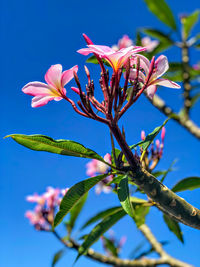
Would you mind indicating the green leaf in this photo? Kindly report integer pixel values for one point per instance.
(116, 180)
(137, 200)
(140, 214)
(197, 46)
(194, 99)
(158, 35)
(99, 230)
(175, 76)
(162, 46)
(173, 227)
(109, 244)
(158, 173)
(194, 73)
(117, 152)
(189, 22)
(75, 211)
(162, 11)
(74, 195)
(57, 257)
(175, 72)
(94, 60)
(138, 41)
(63, 147)
(134, 252)
(124, 197)
(149, 138)
(175, 66)
(167, 171)
(101, 215)
(189, 183)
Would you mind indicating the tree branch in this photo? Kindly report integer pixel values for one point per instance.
(117, 262)
(166, 200)
(152, 240)
(182, 120)
(186, 78)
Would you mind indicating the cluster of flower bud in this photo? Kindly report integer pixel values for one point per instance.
(154, 153)
(46, 204)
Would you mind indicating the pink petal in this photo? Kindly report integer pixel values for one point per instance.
(143, 136)
(36, 88)
(76, 90)
(138, 49)
(85, 51)
(161, 65)
(68, 75)
(144, 63)
(97, 49)
(133, 74)
(87, 39)
(39, 101)
(163, 132)
(166, 83)
(151, 90)
(101, 48)
(53, 76)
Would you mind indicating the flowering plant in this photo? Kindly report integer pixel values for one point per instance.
(127, 171)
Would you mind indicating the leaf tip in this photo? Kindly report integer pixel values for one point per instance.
(10, 135)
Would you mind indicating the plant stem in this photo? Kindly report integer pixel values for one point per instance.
(115, 261)
(166, 200)
(186, 78)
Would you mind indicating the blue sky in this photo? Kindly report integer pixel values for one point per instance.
(35, 35)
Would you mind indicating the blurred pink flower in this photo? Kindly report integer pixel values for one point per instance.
(149, 44)
(47, 203)
(54, 89)
(96, 167)
(124, 42)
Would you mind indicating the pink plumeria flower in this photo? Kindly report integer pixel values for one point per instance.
(116, 59)
(124, 42)
(95, 166)
(160, 66)
(149, 44)
(54, 89)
